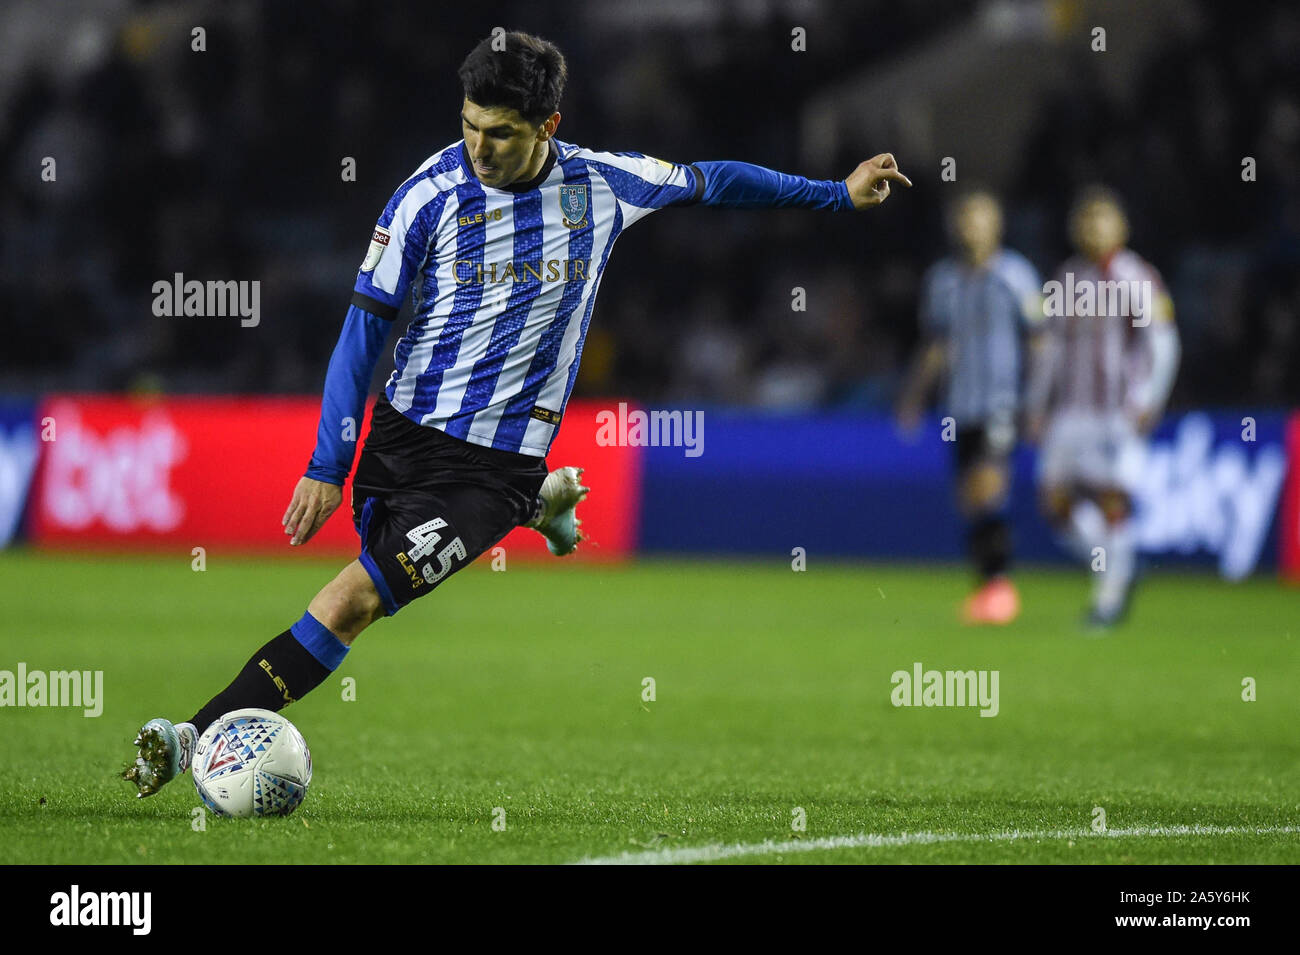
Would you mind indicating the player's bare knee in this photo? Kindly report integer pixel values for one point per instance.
(348, 604)
(1055, 504)
(983, 489)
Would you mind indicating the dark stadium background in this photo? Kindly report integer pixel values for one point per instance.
(226, 164)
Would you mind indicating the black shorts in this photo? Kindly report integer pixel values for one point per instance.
(426, 504)
(985, 443)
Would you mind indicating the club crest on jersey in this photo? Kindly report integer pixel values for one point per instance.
(378, 243)
(573, 203)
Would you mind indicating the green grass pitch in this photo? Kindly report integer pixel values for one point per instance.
(522, 691)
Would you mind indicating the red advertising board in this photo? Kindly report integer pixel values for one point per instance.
(175, 473)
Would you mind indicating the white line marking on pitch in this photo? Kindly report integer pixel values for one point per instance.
(712, 853)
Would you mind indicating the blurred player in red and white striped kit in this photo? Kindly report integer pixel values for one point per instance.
(1108, 357)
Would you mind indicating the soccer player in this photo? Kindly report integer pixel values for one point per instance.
(500, 239)
(1109, 357)
(977, 309)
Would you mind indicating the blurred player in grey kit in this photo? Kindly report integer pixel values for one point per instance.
(978, 307)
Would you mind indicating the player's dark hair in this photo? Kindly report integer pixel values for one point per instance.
(528, 75)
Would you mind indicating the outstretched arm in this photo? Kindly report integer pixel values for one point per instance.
(869, 184)
(739, 185)
(643, 184)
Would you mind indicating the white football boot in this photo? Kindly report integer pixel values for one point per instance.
(165, 753)
(556, 517)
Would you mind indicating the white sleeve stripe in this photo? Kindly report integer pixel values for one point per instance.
(643, 167)
(389, 269)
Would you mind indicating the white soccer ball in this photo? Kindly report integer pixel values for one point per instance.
(252, 763)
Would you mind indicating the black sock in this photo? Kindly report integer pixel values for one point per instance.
(274, 676)
(989, 542)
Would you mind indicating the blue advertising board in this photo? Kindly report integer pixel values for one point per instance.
(19, 452)
(854, 486)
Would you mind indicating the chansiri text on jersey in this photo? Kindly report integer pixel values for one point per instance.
(469, 272)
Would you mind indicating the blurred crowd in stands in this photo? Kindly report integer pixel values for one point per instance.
(226, 164)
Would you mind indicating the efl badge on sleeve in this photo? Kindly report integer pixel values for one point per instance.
(378, 242)
(573, 203)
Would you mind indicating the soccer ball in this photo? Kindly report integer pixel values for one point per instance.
(252, 763)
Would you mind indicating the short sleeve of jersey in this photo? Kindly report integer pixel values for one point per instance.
(935, 306)
(643, 184)
(398, 247)
(1021, 278)
(1162, 303)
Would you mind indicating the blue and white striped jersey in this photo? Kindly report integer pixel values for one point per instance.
(982, 313)
(503, 284)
